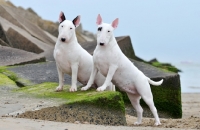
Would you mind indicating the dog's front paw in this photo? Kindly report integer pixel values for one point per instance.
(85, 88)
(102, 88)
(73, 89)
(137, 123)
(157, 124)
(59, 88)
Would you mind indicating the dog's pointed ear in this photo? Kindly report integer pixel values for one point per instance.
(76, 21)
(99, 20)
(61, 17)
(115, 23)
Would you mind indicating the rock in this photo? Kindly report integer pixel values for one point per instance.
(4, 14)
(39, 73)
(81, 112)
(30, 21)
(19, 41)
(3, 43)
(12, 56)
(153, 60)
(28, 26)
(125, 45)
(3, 38)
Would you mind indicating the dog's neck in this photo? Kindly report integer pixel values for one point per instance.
(112, 42)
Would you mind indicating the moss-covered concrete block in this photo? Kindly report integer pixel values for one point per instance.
(167, 97)
(102, 108)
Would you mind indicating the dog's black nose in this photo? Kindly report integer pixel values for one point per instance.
(63, 39)
(101, 43)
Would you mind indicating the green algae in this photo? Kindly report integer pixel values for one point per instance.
(20, 82)
(6, 82)
(9, 74)
(166, 67)
(105, 99)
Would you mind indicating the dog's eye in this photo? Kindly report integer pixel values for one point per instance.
(70, 28)
(100, 28)
(108, 31)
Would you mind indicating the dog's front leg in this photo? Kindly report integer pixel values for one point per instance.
(61, 80)
(92, 77)
(109, 77)
(74, 68)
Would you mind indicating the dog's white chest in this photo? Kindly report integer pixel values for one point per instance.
(103, 67)
(58, 55)
(101, 62)
(61, 60)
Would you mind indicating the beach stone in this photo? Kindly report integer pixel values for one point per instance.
(3, 38)
(3, 43)
(11, 56)
(40, 73)
(21, 42)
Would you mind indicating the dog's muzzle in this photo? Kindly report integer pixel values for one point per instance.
(101, 43)
(63, 39)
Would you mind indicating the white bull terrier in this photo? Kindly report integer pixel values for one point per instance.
(112, 63)
(72, 59)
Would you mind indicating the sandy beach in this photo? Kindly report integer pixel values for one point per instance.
(190, 120)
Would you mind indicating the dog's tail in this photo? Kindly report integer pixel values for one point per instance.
(155, 83)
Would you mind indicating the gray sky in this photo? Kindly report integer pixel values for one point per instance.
(166, 29)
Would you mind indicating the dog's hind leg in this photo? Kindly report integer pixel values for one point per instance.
(135, 101)
(148, 98)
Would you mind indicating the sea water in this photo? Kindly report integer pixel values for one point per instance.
(190, 77)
